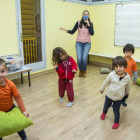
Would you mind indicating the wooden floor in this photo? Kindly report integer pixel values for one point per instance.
(53, 121)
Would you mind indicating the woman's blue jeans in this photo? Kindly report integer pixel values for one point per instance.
(82, 50)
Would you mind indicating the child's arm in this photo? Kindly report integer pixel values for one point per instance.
(105, 83)
(135, 76)
(59, 69)
(18, 99)
(128, 87)
(74, 65)
(134, 68)
(20, 103)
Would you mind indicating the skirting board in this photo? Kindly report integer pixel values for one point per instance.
(100, 64)
(104, 65)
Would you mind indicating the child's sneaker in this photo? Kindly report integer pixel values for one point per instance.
(102, 116)
(70, 104)
(124, 104)
(115, 126)
(60, 99)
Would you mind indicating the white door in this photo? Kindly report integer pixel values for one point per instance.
(34, 54)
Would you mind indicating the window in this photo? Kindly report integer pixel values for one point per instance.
(94, 2)
(85, 2)
(98, 2)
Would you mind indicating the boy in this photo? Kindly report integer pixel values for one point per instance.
(128, 51)
(8, 90)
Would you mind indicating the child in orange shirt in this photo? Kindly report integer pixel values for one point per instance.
(8, 90)
(128, 51)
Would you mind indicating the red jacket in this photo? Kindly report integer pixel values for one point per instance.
(66, 67)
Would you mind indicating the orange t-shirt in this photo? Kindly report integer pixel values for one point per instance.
(6, 95)
(131, 66)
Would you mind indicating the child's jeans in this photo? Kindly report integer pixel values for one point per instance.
(68, 86)
(22, 132)
(116, 108)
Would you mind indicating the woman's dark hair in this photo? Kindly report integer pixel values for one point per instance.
(82, 21)
(128, 47)
(56, 55)
(119, 60)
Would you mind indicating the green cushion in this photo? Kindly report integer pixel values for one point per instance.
(138, 82)
(12, 122)
(104, 70)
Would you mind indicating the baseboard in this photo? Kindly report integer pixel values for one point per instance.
(104, 65)
(100, 64)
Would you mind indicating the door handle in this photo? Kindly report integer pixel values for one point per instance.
(21, 39)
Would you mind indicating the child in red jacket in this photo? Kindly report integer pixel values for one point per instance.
(66, 68)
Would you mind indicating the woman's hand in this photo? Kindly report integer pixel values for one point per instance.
(55, 66)
(101, 92)
(63, 29)
(26, 114)
(87, 22)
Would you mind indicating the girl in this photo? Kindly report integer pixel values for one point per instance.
(66, 67)
(118, 80)
(83, 41)
(8, 90)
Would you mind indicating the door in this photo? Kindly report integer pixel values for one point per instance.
(31, 32)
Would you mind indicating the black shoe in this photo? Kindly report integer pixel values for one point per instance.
(124, 104)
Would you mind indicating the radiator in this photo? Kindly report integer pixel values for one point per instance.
(14, 76)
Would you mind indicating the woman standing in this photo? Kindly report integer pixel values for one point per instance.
(83, 41)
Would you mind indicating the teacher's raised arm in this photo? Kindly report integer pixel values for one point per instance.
(83, 40)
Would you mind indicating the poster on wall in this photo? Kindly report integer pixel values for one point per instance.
(127, 28)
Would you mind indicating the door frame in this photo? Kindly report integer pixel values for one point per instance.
(43, 35)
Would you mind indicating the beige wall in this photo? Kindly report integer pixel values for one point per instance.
(61, 14)
(8, 32)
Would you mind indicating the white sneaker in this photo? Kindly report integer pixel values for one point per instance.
(70, 104)
(60, 99)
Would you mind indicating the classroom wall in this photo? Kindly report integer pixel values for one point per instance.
(57, 14)
(103, 17)
(64, 14)
(61, 14)
(8, 32)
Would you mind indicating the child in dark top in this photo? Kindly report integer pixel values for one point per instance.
(66, 68)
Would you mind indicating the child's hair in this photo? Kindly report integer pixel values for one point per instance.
(56, 55)
(2, 62)
(128, 47)
(119, 60)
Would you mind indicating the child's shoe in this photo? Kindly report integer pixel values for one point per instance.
(124, 104)
(115, 126)
(102, 116)
(69, 104)
(60, 99)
